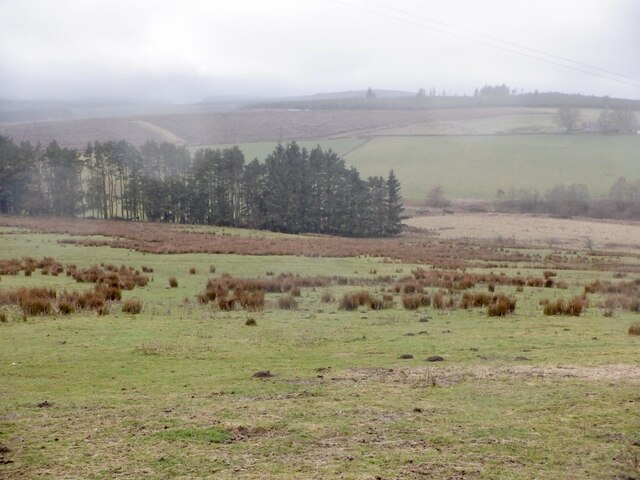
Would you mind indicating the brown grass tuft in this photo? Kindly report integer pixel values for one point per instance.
(287, 302)
(501, 305)
(132, 305)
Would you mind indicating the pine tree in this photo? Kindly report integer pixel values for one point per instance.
(394, 205)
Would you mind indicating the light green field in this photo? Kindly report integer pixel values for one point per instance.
(477, 166)
(169, 393)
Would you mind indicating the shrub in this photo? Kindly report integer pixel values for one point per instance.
(192, 271)
(251, 322)
(132, 305)
(295, 291)
(147, 269)
(3, 317)
(173, 282)
(287, 302)
(212, 269)
(634, 328)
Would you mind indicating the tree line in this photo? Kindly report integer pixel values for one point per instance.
(623, 201)
(293, 190)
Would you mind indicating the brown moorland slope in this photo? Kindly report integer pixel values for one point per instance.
(414, 246)
(240, 126)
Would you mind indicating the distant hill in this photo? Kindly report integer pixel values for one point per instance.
(49, 111)
(389, 100)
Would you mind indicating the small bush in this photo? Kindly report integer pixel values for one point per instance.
(287, 302)
(3, 317)
(634, 328)
(192, 271)
(173, 282)
(212, 269)
(147, 269)
(295, 292)
(132, 305)
(251, 322)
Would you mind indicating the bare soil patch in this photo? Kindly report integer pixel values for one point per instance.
(452, 375)
(532, 229)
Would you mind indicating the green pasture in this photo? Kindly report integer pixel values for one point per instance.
(169, 393)
(477, 166)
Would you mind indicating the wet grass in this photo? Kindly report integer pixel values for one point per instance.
(171, 393)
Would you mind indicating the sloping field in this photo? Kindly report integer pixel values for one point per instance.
(247, 126)
(477, 166)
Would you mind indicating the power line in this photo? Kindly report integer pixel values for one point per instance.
(496, 39)
(492, 45)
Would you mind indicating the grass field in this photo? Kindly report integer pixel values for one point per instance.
(170, 393)
(477, 166)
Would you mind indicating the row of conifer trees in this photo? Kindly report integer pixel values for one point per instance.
(292, 190)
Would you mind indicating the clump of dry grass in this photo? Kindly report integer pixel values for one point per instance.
(193, 271)
(560, 306)
(381, 303)
(132, 305)
(327, 297)
(634, 328)
(251, 301)
(226, 303)
(501, 305)
(415, 301)
(173, 282)
(353, 300)
(475, 299)
(287, 302)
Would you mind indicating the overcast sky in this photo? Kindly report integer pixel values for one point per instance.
(183, 51)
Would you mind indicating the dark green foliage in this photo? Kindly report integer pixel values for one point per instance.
(293, 191)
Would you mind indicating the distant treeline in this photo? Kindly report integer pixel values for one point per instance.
(487, 96)
(292, 190)
(622, 202)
